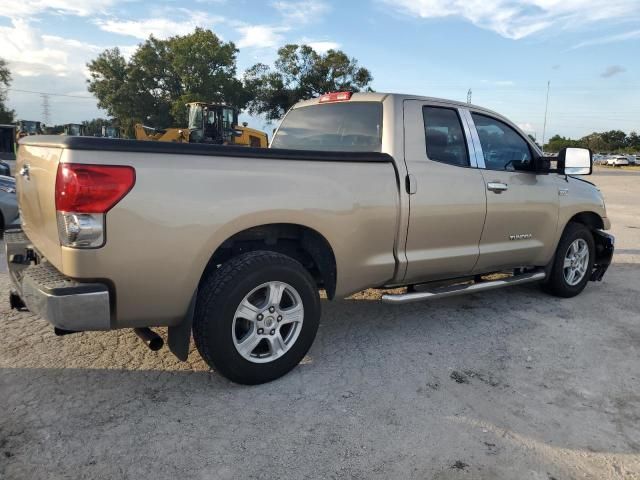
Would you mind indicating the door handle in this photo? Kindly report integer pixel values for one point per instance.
(497, 187)
(411, 184)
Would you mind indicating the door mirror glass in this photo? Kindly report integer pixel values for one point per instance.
(575, 161)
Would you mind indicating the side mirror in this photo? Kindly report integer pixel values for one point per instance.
(542, 165)
(575, 161)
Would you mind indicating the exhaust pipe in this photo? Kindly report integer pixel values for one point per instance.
(16, 302)
(150, 338)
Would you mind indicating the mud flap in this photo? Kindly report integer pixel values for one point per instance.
(605, 245)
(180, 335)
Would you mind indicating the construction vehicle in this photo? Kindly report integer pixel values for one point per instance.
(7, 142)
(28, 127)
(212, 123)
(110, 132)
(74, 130)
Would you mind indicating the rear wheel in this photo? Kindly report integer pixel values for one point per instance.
(256, 317)
(573, 262)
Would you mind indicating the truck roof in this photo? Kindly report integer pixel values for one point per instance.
(382, 96)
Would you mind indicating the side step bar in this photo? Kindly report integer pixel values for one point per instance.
(462, 289)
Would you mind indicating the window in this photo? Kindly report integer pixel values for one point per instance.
(503, 148)
(345, 126)
(444, 136)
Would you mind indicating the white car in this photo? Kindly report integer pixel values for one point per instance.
(618, 161)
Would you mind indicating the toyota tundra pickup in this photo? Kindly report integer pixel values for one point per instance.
(233, 245)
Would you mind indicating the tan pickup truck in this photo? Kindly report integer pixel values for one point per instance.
(364, 190)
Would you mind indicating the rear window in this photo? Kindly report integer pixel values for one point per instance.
(347, 126)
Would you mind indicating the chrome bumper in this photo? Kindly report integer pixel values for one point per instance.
(65, 303)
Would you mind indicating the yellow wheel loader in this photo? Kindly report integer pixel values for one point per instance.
(213, 123)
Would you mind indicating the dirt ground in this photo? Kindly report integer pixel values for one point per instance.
(510, 384)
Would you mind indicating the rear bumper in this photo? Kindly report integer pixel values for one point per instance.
(63, 302)
(605, 245)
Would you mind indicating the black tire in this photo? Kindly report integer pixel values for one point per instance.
(556, 283)
(219, 295)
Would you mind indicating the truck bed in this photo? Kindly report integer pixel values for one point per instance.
(189, 199)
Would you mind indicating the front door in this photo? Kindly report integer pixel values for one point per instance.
(447, 202)
(522, 206)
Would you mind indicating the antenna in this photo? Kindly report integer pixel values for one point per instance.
(469, 96)
(46, 113)
(546, 107)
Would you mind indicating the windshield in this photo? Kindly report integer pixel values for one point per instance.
(31, 127)
(195, 117)
(74, 130)
(346, 126)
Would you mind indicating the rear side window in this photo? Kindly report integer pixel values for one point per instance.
(444, 136)
(345, 126)
(502, 147)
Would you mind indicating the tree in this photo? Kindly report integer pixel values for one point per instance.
(557, 143)
(162, 75)
(633, 141)
(6, 115)
(300, 73)
(595, 142)
(615, 139)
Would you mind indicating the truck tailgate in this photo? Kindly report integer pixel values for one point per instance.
(36, 170)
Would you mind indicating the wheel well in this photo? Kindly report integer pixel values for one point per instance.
(302, 243)
(590, 219)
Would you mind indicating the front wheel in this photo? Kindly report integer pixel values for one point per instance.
(256, 317)
(573, 262)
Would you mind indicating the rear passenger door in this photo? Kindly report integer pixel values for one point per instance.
(522, 206)
(447, 201)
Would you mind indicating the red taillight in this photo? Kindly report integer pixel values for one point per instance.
(83, 188)
(335, 97)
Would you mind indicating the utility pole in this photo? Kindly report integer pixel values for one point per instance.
(46, 113)
(469, 96)
(546, 108)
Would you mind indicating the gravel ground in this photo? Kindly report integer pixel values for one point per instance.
(508, 384)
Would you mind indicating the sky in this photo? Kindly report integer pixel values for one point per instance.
(505, 51)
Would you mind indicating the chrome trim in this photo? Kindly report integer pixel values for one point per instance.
(497, 187)
(467, 133)
(460, 290)
(477, 146)
(78, 312)
(72, 311)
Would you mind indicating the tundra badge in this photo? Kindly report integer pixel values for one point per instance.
(520, 236)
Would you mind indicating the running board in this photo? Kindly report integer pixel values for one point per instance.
(462, 289)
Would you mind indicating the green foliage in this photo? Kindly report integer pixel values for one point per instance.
(162, 75)
(6, 115)
(300, 73)
(557, 143)
(613, 141)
